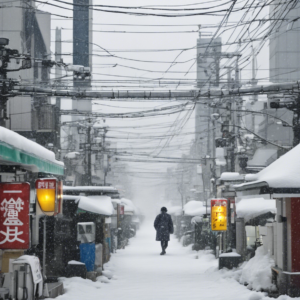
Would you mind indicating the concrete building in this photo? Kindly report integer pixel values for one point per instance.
(284, 42)
(82, 32)
(28, 30)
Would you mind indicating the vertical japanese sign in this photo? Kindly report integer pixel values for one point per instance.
(122, 210)
(14, 215)
(219, 214)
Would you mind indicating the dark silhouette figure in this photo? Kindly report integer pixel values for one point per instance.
(163, 225)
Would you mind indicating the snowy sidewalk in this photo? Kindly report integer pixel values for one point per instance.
(140, 273)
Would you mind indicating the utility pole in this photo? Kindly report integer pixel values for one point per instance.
(105, 156)
(89, 155)
(57, 107)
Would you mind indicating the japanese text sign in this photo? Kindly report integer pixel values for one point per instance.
(14, 215)
(219, 214)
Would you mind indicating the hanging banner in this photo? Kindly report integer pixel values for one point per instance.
(219, 214)
(14, 215)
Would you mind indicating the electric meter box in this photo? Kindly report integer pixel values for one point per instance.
(86, 232)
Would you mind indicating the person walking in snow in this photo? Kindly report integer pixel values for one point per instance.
(163, 225)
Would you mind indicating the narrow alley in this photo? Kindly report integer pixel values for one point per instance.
(139, 272)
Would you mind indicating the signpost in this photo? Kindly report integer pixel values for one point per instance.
(49, 203)
(219, 214)
(14, 215)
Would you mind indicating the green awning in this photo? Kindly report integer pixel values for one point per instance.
(11, 155)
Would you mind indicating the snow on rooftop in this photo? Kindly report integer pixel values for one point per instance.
(101, 205)
(231, 176)
(129, 206)
(253, 207)
(282, 173)
(90, 188)
(17, 141)
(195, 208)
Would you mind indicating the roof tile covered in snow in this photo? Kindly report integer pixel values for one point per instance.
(253, 207)
(195, 208)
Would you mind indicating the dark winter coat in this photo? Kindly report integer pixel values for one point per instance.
(164, 226)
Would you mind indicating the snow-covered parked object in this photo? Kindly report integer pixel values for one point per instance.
(257, 273)
(195, 208)
(129, 207)
(18, 150)
(254, 207)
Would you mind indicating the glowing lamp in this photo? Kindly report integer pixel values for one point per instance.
(46, 193)
(219, 214)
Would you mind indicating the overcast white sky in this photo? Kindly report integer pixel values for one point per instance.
(105, 67)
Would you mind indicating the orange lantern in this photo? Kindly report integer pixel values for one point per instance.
(49, 195)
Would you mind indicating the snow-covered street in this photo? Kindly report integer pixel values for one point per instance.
(140, 273)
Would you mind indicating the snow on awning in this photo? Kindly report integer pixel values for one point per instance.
(129, 207)
(195, 208)
(18, 150)
(253, 207)
(101, 205)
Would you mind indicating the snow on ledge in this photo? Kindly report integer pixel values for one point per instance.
(253, 207)
(230, 254)
(75, 262)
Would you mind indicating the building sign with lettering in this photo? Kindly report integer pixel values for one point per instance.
(14, 215)
(219, 214)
